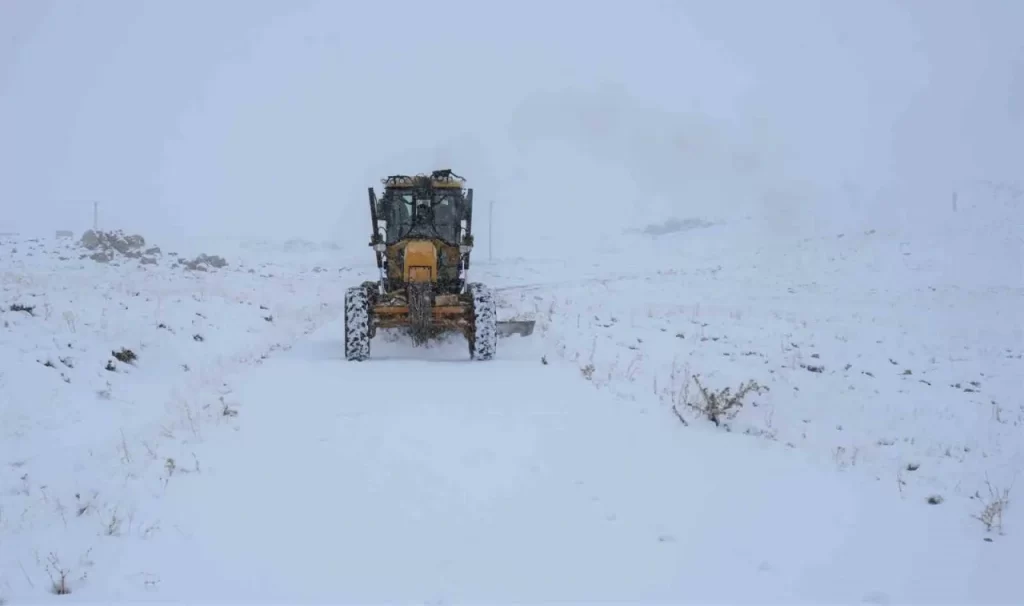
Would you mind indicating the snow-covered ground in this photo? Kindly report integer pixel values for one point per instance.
(86, 437)
(254, 463)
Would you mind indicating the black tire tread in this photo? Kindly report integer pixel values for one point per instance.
(484, 342)
(357, 324)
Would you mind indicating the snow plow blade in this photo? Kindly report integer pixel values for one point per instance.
(507, 328)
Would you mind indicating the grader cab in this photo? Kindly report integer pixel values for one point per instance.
(422, 239)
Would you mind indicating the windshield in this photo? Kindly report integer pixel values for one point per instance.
(408, 216)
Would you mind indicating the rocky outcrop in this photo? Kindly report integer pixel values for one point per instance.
(108, 245)
(90, 240)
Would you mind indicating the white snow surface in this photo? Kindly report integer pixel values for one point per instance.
(255, 464)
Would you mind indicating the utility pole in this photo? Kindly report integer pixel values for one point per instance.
(95, 216)
(490, 232)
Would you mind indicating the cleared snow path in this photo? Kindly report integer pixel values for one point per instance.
(423, 476)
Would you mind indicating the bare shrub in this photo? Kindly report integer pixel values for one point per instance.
(994, 506)
(58, 576)
(226, 410)
(722, 404)
(112, 527)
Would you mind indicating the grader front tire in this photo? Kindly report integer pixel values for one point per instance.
(483, 338)
(357, 324)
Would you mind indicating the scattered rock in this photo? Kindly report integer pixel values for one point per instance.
(125, 355)
(25, 308)
(299, 245)
(203, 262)
(216, 261)
(121, 245)
(90, 240)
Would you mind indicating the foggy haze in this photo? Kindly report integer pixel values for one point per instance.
(256, 118)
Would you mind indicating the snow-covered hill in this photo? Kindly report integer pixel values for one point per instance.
(238, 456)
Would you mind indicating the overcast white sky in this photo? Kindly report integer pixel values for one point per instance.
(259, 117)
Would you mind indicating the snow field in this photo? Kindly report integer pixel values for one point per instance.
(577, 465)
(870, 367)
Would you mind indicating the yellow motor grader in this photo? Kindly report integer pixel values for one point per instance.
(423, 238)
